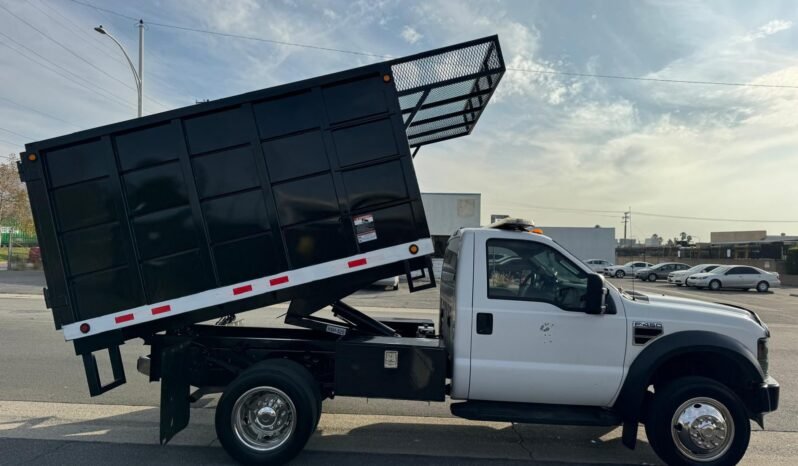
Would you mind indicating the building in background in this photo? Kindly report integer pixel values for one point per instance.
(737, 236)
(585, 242)
(448, 212)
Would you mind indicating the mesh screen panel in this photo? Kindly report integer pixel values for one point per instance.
(458, 82)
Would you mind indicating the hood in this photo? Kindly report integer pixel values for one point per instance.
(701, 275)
(716, 313)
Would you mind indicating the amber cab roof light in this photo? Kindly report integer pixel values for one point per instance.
(515, 224)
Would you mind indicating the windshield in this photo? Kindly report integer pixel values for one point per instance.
(700, 268)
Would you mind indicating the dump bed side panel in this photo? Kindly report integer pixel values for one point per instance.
(171, 205)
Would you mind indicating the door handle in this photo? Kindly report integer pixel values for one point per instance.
(484, 323)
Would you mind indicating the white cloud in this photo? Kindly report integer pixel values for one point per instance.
(410, 35)
(768, 29)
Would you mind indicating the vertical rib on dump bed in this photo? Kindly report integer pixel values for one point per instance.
(226, 206)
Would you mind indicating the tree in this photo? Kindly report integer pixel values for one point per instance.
(14, 205)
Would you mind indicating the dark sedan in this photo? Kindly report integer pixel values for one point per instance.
(662, 270)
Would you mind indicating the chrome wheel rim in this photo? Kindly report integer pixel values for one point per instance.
(702, 429)
(714, 285)
(264, 418)
(762, 286)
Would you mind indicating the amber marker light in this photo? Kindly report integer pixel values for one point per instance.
(413, 249)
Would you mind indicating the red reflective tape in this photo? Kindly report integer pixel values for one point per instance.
(242, 289)
(161, 309)
(278, 280)
(123, 318)
(357, 262)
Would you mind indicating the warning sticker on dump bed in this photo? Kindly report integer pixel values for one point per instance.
(364, 228)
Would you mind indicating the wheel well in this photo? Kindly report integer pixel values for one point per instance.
(716, 366)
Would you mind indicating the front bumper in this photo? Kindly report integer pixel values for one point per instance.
(765, 397)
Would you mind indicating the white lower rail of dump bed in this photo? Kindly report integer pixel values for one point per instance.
(246, 289)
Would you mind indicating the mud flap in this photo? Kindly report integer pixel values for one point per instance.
(174, 391)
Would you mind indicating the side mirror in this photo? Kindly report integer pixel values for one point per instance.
(596, 295)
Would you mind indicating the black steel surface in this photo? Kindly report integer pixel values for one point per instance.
(209, 195)
(420, 372)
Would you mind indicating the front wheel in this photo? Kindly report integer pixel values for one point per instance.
(714, 285)
(620, 274)
(696, 420)
(762, 287)
(267, 414)
(652, 277)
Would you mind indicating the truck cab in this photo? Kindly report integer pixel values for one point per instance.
(531, 330)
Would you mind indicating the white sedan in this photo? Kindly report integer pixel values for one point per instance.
(679, 277)
(629, 268)
(741, 277)
(598, 265)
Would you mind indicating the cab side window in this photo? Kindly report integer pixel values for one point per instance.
(531, 271)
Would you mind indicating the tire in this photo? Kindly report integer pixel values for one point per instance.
(714, 285)
(679, 284)
(284, 385)
(311, 383)
(396, 287)
(652, 277)
(620, 274)
(762, 287)
(700, 400)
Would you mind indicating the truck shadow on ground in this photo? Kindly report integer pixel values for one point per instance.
(433, 442)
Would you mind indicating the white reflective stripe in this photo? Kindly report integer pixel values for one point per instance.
(247, 289)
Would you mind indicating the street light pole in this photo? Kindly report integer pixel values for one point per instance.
(141, 63)
(136, 74)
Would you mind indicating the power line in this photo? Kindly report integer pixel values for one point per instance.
(660, 80)
(48, 115)
(83, 35)
(76, 55)
(17, 134)
(15, 144)
(710, 219)
(375, 55)
(72, 78)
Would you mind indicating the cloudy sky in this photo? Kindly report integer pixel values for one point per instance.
(563, 150)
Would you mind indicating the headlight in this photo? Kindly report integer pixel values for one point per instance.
(762, 353)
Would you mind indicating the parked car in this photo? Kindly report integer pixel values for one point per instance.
(629, 268)
(391, 282)
(651, 274)
(743, 277)
(598, 265)
(679, 278)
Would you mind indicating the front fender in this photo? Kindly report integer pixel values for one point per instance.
(630, 400)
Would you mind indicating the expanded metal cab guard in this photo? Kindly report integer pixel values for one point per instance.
(443, 92)
(302, 190)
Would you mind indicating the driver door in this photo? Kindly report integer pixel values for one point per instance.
(532, 341)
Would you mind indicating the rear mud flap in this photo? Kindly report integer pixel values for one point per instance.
(174, 391)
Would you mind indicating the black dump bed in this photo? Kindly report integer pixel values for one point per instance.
(225, 206)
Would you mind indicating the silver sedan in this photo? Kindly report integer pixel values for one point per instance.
(743, 277)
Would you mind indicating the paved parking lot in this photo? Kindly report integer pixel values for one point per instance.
(47, 417)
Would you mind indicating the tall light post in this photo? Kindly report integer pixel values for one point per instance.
(137, 75)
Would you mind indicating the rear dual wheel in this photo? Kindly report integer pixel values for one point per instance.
(268, 413)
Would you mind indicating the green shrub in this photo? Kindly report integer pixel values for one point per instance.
(792, 261)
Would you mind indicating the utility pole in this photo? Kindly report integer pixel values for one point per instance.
(627, 216)
(141, 62)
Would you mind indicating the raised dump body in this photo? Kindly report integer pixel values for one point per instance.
(196, 213)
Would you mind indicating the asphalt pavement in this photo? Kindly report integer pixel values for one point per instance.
(47, 417)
